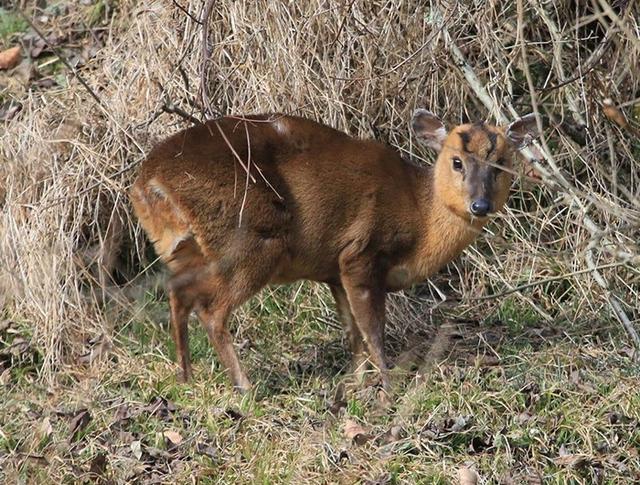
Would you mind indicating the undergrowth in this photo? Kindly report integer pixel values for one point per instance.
(538, 406)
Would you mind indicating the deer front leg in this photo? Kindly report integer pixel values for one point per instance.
(366, 299)
(359, 361)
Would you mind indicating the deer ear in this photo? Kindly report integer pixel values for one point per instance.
(522, 131)
(428, 128)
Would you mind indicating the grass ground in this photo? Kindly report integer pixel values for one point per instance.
(537, 387)
(513, 403)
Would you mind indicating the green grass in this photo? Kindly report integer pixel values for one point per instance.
(10, 23)
(572, 396)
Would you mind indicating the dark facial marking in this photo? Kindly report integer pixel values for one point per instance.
(492, 142)
(465, 136)
(481, 180)
(491, 136)
(477, 132)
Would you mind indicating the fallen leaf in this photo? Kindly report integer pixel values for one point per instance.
(395, 433)
(39, 459)
(45, 429)
(207, 450)
(101, 347)
(19, 347)
(9, 58)
(9, 109)
(125, 437)
(627, 351)
(98, 465)
(523, 418)
(123, 413)
(156, 453)
(136, 448)
(230, 413)
(78, 423)
(572, 461)
(5, 325)
(385, 479)
(486, 360)
(24, 72)
(334, 456)
(479, 444)
(90, 51)
(384, 400)
(37, 47)
(337, 406)
(160, 407)
(353, 431)
(173, 436)
(456, 425)
(533, 478)
(339, 401)
(467, 476)
(616, 418)
(614, 114)
(44, 83)
(5, 377)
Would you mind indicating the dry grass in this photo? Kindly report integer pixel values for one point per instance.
(74, 266)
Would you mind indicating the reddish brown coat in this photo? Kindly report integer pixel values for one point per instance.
(317, 204)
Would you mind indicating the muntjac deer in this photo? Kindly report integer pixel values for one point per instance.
(241, 202)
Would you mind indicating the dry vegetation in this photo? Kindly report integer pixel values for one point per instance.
(529, 364)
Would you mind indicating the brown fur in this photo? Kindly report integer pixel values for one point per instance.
(347, 212)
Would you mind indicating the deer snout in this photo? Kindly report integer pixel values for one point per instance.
(480, 207)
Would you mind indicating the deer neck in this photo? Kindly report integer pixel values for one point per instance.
(444, 234)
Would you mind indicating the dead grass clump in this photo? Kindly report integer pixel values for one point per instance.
(69, 249)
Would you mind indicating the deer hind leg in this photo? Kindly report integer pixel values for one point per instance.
(249, 268)
(187, 268)
(180, 332)
(167, 227)
(214, 319)
(208, 292)
(359, 360)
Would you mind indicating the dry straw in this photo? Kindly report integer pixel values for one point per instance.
(70, 252)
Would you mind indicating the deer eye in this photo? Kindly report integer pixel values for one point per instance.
(457, 164)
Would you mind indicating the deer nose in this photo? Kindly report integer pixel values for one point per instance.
(480, 207)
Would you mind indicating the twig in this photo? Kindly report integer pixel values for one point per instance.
(632, 36)
(596, 235)
(91, 187)
(552, 179)
(170, 108)
(189, 14)
(79, 77)
(246, 182)
(590, 64)
(206, 55)
(235, 153)
(62, 59)
(556, 42)
(571, 199)
(549, 280)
